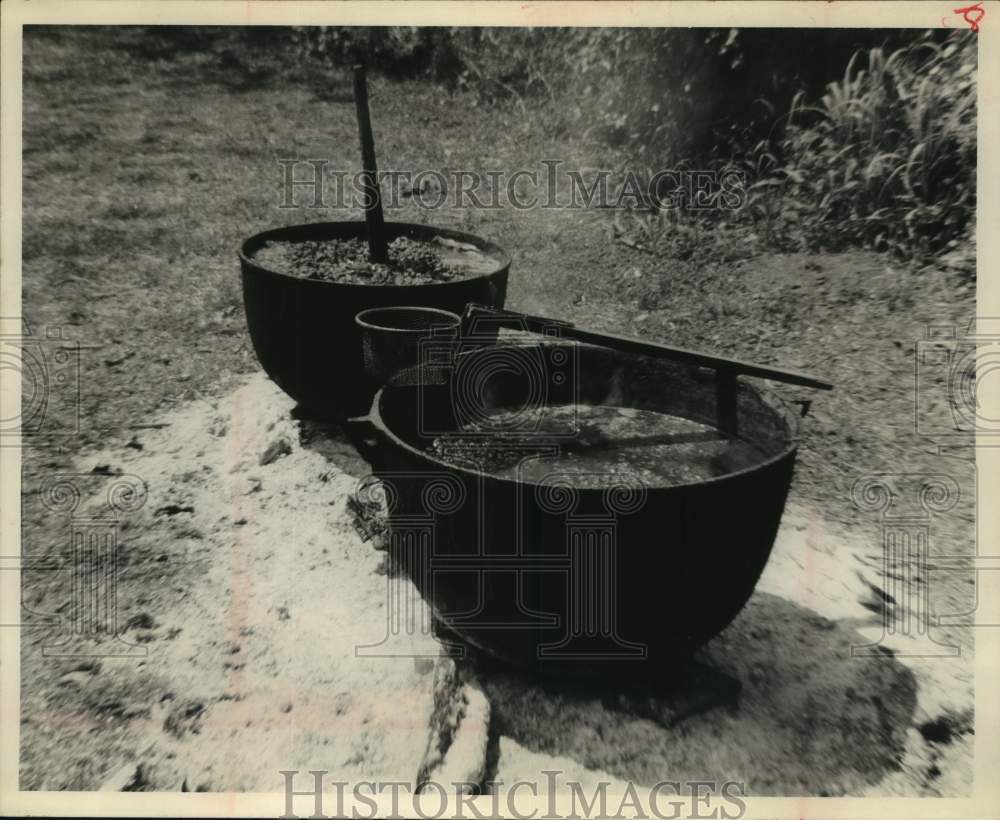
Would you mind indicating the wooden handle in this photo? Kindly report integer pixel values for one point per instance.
(374, 219)
(733, 367)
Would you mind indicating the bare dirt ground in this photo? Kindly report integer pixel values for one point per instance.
(141, 177)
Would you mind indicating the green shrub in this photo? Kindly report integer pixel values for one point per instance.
(886, 158)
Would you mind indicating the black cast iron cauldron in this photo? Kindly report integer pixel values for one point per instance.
(618, 580)
(303, 330)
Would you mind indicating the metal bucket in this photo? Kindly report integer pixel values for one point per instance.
(391, 337)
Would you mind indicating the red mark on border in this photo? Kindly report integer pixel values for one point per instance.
(973, 15)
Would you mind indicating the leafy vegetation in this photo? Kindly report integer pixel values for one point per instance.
(845, 138)
(885, 159)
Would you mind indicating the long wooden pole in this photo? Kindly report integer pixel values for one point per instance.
(643, 348)
(374, 219)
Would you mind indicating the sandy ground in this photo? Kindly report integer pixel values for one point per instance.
(248, 591)
(251, 664)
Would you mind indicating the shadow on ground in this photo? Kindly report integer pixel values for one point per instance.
(810, 719)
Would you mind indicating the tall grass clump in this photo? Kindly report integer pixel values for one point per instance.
(885, 159)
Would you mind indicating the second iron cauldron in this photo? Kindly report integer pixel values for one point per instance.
(303, 330)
